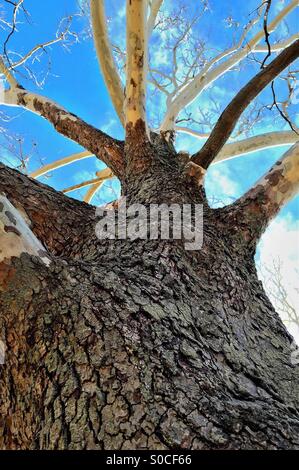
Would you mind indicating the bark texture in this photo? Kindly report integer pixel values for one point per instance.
(140, 345)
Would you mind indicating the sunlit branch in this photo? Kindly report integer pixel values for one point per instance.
(194, 133)
(92, 191)
(256, 143)
(101, 176)
(206, 77)
(7, 74)
(248, 145)
(275, 189)
(154, 10)
(35, 49)
(136, 62)
(105, 57)
(109, 150)
(60, 163)
(278, 46)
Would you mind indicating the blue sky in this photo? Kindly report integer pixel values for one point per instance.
(76, 83)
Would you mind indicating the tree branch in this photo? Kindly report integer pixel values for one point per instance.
(136, 62)
(248, 145)
(60, 163)
(16, 237)
(206, 77)
(105, 57)
(278, 46)
(53, 217)
(109, 150)
(92, 191)
(155, 7)
(102, 176)
(7, 74)
(258, 142)
(277, 187)
(233, 111)
(194, 133)
(35, 49)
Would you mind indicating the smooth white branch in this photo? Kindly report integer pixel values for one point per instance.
(206, 77)
(105, 57)
(136, 62)
(256, 143)
(16, 237)
(154, 10)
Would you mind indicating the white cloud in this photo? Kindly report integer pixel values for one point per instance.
(220, 186)
(280, 246)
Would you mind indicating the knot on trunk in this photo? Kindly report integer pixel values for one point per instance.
(194, 172)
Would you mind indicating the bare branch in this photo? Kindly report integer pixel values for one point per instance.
(102, 176)
(253, 144)
(109, 150)
(136, 62)
(206, 77)
(39, 47)
(282, 114)
(233, 111)
(60, 163)
(279, 45)
(7, 74)
(267, 34)
(278, 291)
(155, 7)
(92, 192)
(105, 57)
(194, 133)
(277, 187)
(17, 6)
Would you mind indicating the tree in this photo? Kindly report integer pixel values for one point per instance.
(114, 344)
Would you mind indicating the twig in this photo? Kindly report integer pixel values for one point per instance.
(280, 110)
(267, 34)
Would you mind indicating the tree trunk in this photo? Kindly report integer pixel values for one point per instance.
(140, 344)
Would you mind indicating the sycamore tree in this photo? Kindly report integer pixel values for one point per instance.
(115, 343)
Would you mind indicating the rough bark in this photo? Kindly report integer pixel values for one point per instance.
(109, 150)
(41, 206)
(141, 345)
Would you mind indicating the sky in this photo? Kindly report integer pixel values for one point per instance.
(70, 75)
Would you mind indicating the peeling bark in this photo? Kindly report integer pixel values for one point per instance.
(109, 150)
(53, 218)
(136, 62)
(256, 208)
(16, 237)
